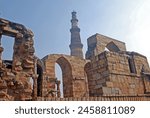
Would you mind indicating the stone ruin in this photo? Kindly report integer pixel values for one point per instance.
(115, 72)
(16, 73)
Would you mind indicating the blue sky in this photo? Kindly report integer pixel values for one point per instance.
(125, 20)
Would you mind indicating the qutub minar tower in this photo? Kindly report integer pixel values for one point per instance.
(76, 45)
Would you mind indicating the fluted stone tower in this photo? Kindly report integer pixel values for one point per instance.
(76, 45)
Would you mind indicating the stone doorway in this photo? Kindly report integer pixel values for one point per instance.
(58, 74)
(66, 76)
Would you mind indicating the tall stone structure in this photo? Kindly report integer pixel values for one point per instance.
(76, 45)
(113, 74)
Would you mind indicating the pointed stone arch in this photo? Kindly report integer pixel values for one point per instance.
(73, 74)
(111, 46)
(66, 76)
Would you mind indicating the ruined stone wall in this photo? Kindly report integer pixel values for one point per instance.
(23, 50)
(122, 81)
(15, 74)
(110, 75)
(74, 77)
(98, 74)
(98, 43)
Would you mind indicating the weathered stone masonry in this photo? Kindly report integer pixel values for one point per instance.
(109, 72)
(117, 72)
(15, 74)
(74, 76)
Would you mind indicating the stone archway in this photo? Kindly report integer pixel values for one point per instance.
(74, 79)
(111, 46)
(66, 76)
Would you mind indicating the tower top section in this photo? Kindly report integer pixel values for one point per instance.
(74, 20)
(74, 15)
(76, 45)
